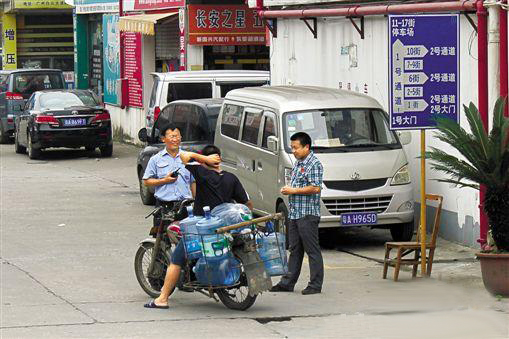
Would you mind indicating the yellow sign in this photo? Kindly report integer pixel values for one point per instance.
(9, 58)
(38, 4)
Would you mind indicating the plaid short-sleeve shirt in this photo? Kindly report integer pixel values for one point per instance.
(307, 172)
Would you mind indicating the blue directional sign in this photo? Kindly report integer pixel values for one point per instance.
(423, 69)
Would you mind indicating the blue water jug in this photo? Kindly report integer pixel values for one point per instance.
(208, 224)
(217, 272)
(233, 214)
(272, 255)
(192, 240)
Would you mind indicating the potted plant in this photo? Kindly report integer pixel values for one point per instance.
(484, 161)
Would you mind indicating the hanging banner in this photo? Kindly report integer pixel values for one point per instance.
(157, 4)
(182, 40)
(133, 68)
(9, 57)
(111, 60)
(423, 70)
(225, 25)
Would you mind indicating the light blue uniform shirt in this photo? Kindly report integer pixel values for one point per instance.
(159, 166)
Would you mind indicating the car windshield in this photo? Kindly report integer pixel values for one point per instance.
(63, 100)
(341, 128)
(28, 83)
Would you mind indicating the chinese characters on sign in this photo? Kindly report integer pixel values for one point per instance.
(133, 71)
(225, 25)
(182, 39)
(20, 4)
(423, 70)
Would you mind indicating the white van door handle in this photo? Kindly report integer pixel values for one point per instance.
(260, 168)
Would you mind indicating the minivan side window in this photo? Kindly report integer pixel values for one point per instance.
(269, 129)
(226, 87)
(230, 120)
(251, 127)
(189, 91)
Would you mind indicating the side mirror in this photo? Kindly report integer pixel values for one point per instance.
(272, 144)
(405, 137)
(142, 135)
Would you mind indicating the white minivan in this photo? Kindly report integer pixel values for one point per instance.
(366, 179)
(171, 86)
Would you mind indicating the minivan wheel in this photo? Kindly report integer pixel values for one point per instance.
(402, 232)
(33, 152)
(146, 196)
(282, 225)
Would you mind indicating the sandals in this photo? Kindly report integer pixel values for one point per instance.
(152, 304)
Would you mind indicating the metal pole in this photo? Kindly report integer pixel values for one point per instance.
(503, 55)
(482, 69)
(423, 204)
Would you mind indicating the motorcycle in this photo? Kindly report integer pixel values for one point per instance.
(154, 254)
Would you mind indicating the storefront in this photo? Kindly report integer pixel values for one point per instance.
(91, 51)
(37, 34)
(229, 36)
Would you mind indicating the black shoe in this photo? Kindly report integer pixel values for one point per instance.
(280, 288)
(310, 290)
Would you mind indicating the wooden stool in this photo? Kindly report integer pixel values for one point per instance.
(406, 247)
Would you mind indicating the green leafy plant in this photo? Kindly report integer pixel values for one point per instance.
(485, 161)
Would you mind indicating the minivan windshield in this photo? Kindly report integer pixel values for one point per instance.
(345, 129)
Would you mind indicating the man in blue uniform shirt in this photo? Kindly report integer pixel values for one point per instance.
(162, 165)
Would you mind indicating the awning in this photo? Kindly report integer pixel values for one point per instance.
(142, 23)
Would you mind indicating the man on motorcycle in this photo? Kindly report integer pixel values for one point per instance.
(214, 187)
(166, 172)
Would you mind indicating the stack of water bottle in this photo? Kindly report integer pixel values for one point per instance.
(216, 264)
(272, 251)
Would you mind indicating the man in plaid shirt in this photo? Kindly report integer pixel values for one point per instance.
(304, 217)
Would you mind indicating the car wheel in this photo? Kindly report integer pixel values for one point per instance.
(146, 196)
(17, 147)
(402, 232)
(282, 225)
(4, 137)
(106, 151)
(33, 152)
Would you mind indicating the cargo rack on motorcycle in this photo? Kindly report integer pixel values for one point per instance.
(225, 259)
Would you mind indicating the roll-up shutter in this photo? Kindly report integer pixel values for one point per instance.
(167, 40)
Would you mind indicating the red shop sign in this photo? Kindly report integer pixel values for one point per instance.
(158, 4)
(225, 25)
(133, 68)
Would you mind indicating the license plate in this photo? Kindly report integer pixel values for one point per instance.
(75, 122)
(359, 218)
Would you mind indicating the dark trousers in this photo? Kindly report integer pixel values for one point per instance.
(303, 237)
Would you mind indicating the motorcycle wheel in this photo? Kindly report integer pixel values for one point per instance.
(237, 298)
(151, 286)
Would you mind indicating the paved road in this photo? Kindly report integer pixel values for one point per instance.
(70, 225)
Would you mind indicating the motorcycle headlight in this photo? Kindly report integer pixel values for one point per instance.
(402, 176)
